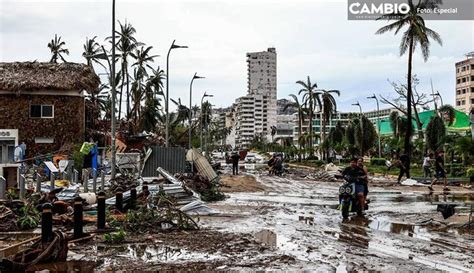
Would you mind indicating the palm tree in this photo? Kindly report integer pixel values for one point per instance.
(57, 50)
(126, 44)
(416, 34)
(96, 102)
(328, 107)
(310, 99)
(183, 110)
(153, 88)
(447, 113)
(142, 58)
(92, 52)
(301, 111)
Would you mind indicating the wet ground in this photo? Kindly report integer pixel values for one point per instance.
(291, 224)
(401, 231)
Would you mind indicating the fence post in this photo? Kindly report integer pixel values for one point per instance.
(51, 178)
(46, 223)
(38, 182)
(3, 187)
(86, 180)
(133, 197)
(119, 199)
(102, 180)
(94, 180)
(101, 210)
(78, 217)
(76, 176)
(22, 186)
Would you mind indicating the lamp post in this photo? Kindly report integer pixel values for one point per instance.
(361, 125)
(202, 114)
(437, 94)
(112, 77)
(191, 105)
(378, 122)
(173, 46)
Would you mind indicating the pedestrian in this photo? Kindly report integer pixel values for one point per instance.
(360, 164)
(235, 163)
(404, 168)
(427, 160)
(440, 171)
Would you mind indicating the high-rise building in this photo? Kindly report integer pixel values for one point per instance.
(465, 84)
(256, 113)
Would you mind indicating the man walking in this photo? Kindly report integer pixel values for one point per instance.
(427, 165)
(440, 171)
(235, 163)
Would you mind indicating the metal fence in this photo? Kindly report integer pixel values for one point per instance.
(172, 159)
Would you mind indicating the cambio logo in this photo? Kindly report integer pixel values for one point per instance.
(379, 8)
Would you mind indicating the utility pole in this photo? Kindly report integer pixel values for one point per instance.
(112, 77)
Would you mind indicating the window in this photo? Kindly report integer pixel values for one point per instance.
(463, 102)
(41, 111)
(458, 92)
(463, 79)
(472, 78)
(458, 103)
(464, 91)
(472, 101)
(472, 89)
(458, 81)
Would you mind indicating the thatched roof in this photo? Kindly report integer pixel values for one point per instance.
(33, 76)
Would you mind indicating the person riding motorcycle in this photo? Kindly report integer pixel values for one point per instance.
(357, 174)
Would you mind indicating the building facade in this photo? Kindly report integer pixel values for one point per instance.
(256, 113)
(465, 84)
(44, 104)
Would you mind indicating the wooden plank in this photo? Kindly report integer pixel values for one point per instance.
(11, 250)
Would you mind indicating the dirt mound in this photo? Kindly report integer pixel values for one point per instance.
(241, 183)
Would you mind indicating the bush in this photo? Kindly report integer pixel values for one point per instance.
(377, 161)
(470, 172)
(455, 169)
(319, 163)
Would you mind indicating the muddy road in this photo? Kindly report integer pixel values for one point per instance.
(400, 231)
(291, 223)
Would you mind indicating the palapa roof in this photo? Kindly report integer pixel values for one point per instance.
(34, 76)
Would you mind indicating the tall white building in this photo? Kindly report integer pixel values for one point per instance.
(257, 111)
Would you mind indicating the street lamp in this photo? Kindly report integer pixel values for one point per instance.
(173, 46)
(358, 104)
(202, 110)
(437, 94)
(361, 126)
(378, 122)
(190, 105)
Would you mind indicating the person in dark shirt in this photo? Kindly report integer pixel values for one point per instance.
(235, 163)
(404, 168)
(357, 173)
(440, 171)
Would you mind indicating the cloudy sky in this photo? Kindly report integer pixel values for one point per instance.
(311, 38)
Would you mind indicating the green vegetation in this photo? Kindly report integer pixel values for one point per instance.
(115, 237)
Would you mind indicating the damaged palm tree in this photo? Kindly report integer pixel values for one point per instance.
(160, 213)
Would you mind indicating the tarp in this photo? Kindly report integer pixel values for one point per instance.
(461, 122)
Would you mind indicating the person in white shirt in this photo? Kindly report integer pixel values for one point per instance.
(427, 160)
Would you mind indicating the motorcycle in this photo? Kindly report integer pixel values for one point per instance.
(348, 200)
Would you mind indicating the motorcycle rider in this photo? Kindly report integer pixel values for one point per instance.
(357, 173)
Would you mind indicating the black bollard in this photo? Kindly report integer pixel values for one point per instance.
(101, 210)
(78, 217)
(133, 197)
(47, 223)
(119, 199)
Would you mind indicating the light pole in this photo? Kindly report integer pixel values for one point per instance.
(378, 122)
(112, 77)
(191, 105)
(361, 126)
(202, 114)
(173, 46)
(437, 94)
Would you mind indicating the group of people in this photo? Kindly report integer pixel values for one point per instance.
(429, 160)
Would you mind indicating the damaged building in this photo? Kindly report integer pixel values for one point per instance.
(42, 105)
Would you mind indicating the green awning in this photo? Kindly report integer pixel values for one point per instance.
(461, 122)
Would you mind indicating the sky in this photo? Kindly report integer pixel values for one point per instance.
(312, 38)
